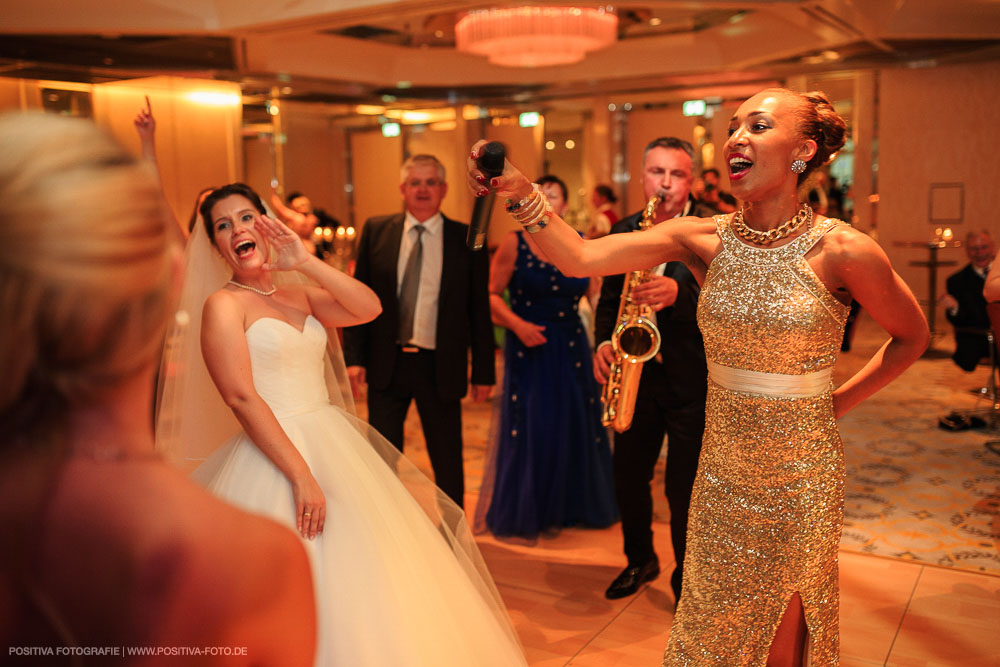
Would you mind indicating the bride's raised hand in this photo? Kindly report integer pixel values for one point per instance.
(511, 184)
(288, 249)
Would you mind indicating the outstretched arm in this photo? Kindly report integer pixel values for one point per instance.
(145, 127)
(340, 300)
(227, 357)
(289, 216)
(866, 273)
(615, 253)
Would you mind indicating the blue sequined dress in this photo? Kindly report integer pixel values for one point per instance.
(549, 464)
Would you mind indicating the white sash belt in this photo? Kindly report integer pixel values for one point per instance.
(770, 384)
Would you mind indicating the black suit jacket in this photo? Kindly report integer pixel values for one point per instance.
(463, 318)
(681, 348)
(967, 287)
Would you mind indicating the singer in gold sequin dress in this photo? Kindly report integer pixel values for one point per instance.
(760, 574)
(767, 506)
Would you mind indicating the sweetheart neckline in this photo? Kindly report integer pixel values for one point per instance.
(286, 322)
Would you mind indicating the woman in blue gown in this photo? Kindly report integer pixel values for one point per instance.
(549, 463)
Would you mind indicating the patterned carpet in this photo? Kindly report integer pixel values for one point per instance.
(915, 491)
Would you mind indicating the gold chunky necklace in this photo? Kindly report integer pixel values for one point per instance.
(254, 289)
(741, 228)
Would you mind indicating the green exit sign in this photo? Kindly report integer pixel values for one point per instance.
(694, 108)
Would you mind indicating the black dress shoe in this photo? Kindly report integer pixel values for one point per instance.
(631, 578)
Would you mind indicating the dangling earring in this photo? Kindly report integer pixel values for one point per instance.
(798, 166)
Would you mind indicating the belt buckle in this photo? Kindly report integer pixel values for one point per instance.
(409, 349)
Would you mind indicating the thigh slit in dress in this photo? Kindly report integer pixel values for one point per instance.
(768, 502)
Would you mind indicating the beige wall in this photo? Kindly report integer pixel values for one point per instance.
(375, 163)
(26, 94)
(936, 125)
(643, 127)
(932, 125)
(863, 132)
(314, 157)
(258, 164)
(599, 153)
(567, 164)
(11, 94)
(197, 144)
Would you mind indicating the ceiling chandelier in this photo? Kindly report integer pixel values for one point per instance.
(535, 36)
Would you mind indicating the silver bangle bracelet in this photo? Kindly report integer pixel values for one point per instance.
(512, 206)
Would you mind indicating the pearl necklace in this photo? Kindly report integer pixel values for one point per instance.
(254, 289)
(770, 236)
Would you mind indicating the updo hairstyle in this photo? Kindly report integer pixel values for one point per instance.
(85, 269)
(218, 195)
(606, 192)
(818, 121)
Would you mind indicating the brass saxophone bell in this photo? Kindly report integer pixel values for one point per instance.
(635, 340)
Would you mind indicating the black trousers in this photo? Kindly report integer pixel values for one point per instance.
(636, 452)
(414, 379)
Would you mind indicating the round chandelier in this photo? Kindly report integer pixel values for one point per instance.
(535, 36)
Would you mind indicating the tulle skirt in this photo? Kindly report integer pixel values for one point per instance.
(398, 579)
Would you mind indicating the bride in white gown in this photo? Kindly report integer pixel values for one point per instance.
(398, 579)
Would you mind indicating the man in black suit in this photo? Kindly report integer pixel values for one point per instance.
(435, 307)
(671, 396)
(964, 304)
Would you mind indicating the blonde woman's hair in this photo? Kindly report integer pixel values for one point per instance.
(85, 268)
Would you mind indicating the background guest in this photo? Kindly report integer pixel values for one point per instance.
(712, 195)
(604, 199)
(835, 200)
(964, 304)
(299, 202)
(302, 223)
(324, 243)
(435, 308)
(549, 463)
(671, 398)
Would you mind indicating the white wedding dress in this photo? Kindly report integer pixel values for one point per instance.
(392, 588)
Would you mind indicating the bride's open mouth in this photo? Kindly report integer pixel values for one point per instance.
(244, 248)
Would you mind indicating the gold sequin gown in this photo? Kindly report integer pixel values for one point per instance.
(767, 506)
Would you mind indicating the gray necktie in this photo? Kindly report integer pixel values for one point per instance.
(408, 290)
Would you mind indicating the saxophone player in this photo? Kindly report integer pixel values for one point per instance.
(671, 393)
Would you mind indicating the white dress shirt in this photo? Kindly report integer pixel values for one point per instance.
(661, 269)
(425, 314)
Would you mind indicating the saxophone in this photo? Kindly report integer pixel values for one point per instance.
(635, 341)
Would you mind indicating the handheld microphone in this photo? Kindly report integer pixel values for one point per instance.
(490, 162)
